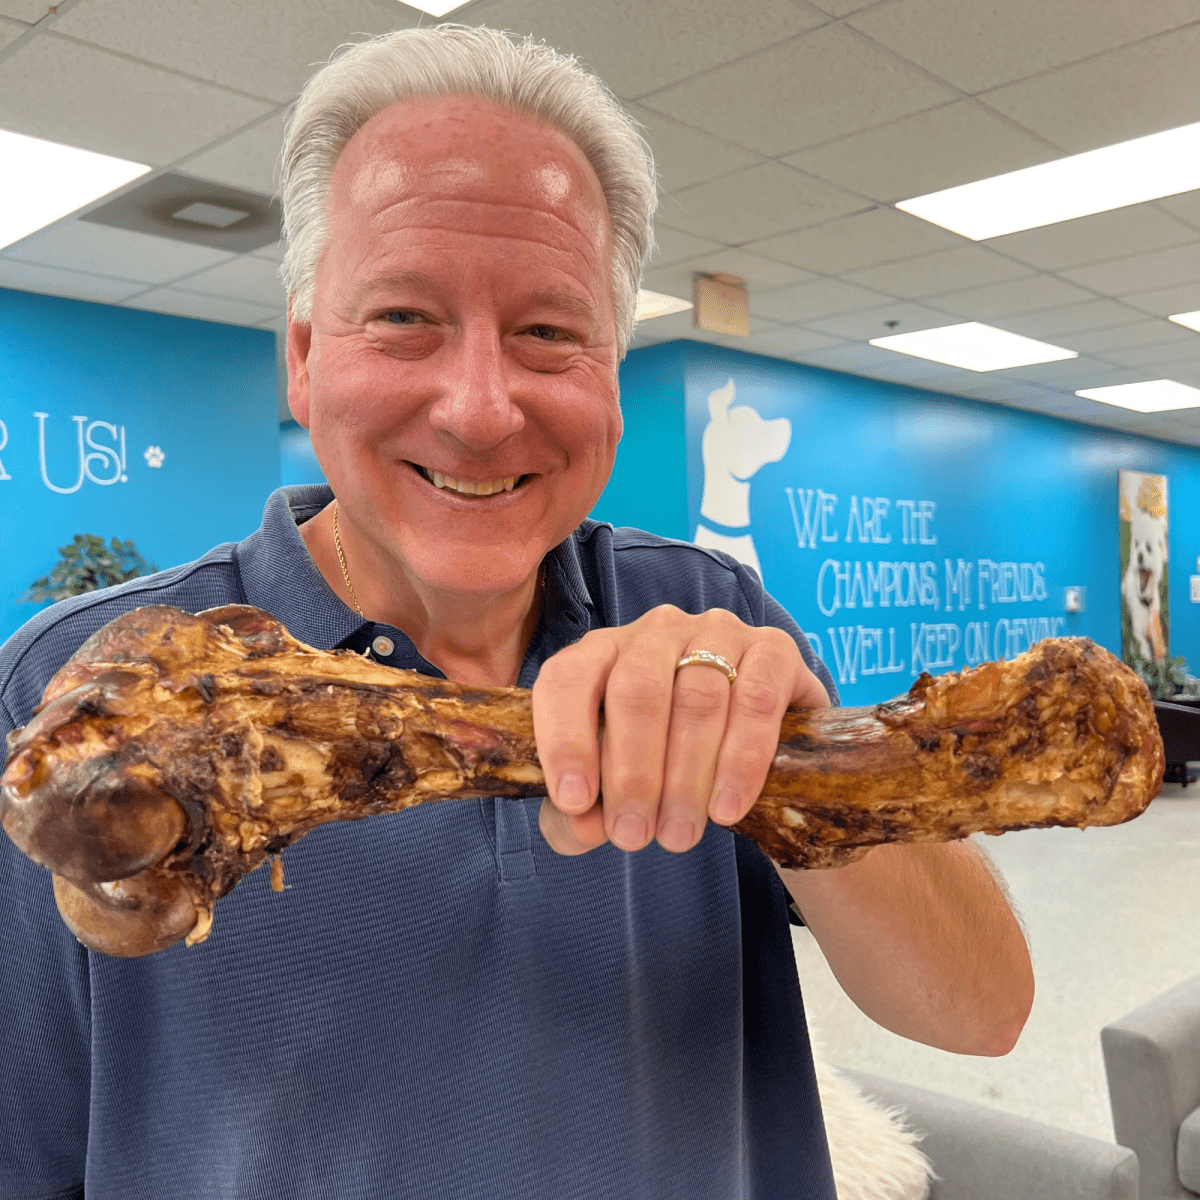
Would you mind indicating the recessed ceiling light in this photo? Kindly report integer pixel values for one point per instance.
(973, 346)
(658, 304)
(1146, 168)
(1155, 395)
(435, 8)
(1189, 320)
(52, 180)
(215, 216)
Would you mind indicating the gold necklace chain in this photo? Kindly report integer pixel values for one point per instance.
(337, 541)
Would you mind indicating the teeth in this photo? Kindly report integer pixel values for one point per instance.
(466, 487)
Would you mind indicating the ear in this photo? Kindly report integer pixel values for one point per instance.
(720, 400)
(299, 343)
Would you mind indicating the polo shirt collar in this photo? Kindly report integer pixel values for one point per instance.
(279, 575)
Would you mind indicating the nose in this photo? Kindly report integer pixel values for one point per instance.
(475, 405)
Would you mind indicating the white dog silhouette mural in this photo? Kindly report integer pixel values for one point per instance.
(737, 443)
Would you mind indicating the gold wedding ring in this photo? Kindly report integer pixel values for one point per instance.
(706, 658)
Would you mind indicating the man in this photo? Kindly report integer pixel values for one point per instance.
(485, 999)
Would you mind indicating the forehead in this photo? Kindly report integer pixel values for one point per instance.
(468, 162)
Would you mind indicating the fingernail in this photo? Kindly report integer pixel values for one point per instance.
(727, 805)
(629, 831)
(677, 834)
(574, 795)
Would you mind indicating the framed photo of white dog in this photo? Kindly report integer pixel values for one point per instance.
(1145, 620)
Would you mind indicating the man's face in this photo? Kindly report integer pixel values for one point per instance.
(463, 331)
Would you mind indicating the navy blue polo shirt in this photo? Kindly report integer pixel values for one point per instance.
(439, 1005)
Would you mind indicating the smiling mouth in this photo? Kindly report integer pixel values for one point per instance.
(1144, 578)
(469, 487)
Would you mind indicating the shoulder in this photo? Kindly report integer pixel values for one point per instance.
(35, 652)
(648, 570)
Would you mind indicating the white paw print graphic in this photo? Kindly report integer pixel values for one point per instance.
(154, 456)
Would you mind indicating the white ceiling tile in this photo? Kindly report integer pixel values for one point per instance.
(636, 46)
(1075, 373)
(244, 278)
(787, 342)
(103, 250)
(1184, 207)
(27, 11)
(203, 308)
(865, 239)
(10, 31)
(247, 160)
(264, 49)
(1004, 391)
(662, 329)
(941, 271)
(760, 274)
(903, 368)
(1005, 299)
(873, 323)
(796, 93)
(1163, 302)
(812, 301)
(684, 155)
(1143, 333)
(1072, 318)
(272, 253)
(1155, 357)
(1132, 230)
(842, 8)
(978, 46)
(30, 277)
(1123, 94)
(1140, 272)
(853, 358)
(755, 204)
(953, 144)
(673, 245)
(65, 92)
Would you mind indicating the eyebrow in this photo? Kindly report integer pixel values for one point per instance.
(566, 302)
(391, 279)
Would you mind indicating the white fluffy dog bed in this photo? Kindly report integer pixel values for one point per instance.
(874, 1154)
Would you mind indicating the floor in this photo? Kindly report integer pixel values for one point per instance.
(1112, 918)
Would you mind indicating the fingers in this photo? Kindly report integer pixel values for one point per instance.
(679, 746)
(771, 674)
(566, 708)
(637, 721)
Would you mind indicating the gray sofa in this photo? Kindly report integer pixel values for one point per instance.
(1152, 1057)
(980, 1153)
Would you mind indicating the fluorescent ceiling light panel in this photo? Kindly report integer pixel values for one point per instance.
(1188, 320)
(973, 346)
(658, 304)
(436, 8)
(1146, 168)
(1155, 395)
(44, 181)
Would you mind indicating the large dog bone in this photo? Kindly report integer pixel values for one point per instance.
(174, 753)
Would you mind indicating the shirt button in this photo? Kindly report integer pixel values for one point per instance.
(383, 646)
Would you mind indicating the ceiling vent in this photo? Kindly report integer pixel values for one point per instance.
(194, 210)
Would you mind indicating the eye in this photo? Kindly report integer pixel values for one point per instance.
(546, 333)
(402, 316)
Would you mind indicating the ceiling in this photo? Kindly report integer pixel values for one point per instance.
(784, 130)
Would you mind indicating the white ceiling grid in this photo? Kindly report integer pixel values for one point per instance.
(784, 130)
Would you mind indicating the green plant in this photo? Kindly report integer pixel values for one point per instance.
(1167, 678)
(88, 564)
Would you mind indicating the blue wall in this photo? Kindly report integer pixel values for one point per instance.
(113, 383)
(957, 489)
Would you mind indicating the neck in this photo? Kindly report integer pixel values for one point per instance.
(475, 639)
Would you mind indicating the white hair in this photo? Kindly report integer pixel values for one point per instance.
(525, 76)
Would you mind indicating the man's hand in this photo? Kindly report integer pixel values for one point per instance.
(678, 748)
